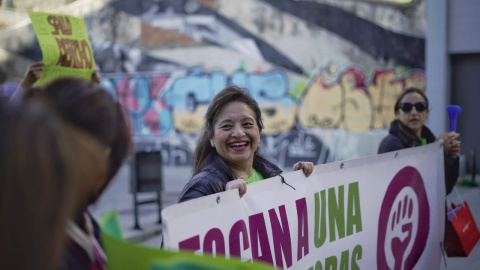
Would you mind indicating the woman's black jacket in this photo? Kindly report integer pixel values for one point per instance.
(214, 177)
(402, 137)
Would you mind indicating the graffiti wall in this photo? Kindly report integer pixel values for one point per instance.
(325, 73)
(166, 105)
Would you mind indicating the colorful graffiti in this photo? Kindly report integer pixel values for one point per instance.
(174, 56)
(271, 91)
(160, 103)
(189, 96)
(138, 94)
(173, 104)
(352, 103)
(156, 109)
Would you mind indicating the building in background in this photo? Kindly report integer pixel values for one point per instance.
(453, 65)
(325, 73)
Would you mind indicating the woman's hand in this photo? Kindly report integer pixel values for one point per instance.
(307, 167)
(237, 183)
(451, 145)
(34, 72)
(96, 78)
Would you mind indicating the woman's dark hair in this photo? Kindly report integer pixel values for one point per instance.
(42, 161)
(408, 91)
(91, 108)
(204, 152)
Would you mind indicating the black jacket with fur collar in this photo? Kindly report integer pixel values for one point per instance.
(402, 137)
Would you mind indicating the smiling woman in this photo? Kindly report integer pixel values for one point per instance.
(227, 155)
(236, 137)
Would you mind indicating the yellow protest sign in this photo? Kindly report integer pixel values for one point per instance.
(66, 49)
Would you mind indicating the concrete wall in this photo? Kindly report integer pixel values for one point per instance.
(466, 93)
(325, 73)
(453, 59)
(463, 31)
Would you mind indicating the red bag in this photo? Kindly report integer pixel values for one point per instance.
(461, 232)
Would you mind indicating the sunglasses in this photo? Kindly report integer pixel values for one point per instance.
(419, 106)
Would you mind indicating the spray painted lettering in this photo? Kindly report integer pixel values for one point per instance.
(170, 105)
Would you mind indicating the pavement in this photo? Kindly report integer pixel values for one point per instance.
(472, 196)
(117, 196)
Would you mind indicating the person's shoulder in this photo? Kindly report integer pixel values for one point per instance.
(207, 174)
(390, 143)
(210, 170)
(211, 176)
(203, 183)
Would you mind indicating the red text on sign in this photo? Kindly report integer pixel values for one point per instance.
(74, 53)
(60, 24)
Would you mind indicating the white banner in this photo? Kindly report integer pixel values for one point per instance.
(380, 212)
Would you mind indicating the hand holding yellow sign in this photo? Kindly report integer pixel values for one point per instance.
(66, 49)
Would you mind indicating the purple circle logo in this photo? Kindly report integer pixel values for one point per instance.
(404, 221)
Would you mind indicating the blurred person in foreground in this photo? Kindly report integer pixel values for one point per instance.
(92, 109)
(43, 166)
(226, 156)
(409, 130)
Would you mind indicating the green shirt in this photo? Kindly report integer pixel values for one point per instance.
(423, 141)
(256, 176)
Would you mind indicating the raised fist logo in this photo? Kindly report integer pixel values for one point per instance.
(401, 228)
(403, 222)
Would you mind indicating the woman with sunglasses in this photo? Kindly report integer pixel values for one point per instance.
(409, 130)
